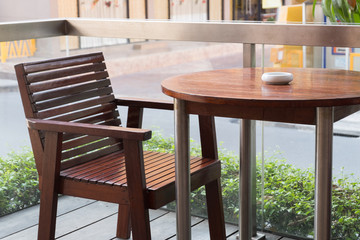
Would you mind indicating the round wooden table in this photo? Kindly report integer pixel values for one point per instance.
(315, 96)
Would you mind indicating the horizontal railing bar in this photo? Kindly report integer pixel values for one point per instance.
(231, 32)
(11, 31)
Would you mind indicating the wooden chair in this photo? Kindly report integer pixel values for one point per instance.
(81, 150)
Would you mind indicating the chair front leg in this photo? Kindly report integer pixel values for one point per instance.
(50, 182)
(135, 174)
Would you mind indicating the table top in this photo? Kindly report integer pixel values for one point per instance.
(243, 87)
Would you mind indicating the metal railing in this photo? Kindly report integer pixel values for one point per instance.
(230, 32)
(220, 31)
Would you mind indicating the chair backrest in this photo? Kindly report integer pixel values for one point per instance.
(72, 89)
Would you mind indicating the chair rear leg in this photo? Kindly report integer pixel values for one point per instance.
(213, 189)
(123, 224)
(215, 210)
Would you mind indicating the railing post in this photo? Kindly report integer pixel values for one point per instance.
(249, 55)
(248, 169)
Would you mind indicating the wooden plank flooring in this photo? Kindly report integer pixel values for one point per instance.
(88, 219)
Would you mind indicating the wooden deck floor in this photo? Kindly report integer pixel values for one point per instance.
(87, 219)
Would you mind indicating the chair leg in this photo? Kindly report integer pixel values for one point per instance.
(123, 223)
(50, 180)
(140, 224)
(47, 216)
(215, 210)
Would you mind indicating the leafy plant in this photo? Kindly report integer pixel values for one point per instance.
(18, 182)
(347, 11)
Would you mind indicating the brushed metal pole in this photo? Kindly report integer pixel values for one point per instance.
(245, 208)
(249, 55)
(248, 180)
(323, 172)
(182, 171)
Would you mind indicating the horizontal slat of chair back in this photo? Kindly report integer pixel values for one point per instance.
(72, 98)
(79, 141)
(69, 90)
(85, 113)
(65, 81)
(63, 62)
(74, 89)
(69, 136)
(90, 156)
(38, 77)
(101, 143)
(74, 107)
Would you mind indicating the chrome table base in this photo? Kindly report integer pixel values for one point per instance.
(247, 223)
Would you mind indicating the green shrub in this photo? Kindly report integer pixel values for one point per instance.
(18, 182)
(289, 201)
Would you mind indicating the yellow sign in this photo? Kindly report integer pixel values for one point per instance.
(16, 49)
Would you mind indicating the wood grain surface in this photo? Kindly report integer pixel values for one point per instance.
(244, 87)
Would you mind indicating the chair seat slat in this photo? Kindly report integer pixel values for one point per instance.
(98, 173)
(163, 178)
(166, 159)
(148, 156)
(171, 178)
(91, 172)
(160, 163)
(166, 170)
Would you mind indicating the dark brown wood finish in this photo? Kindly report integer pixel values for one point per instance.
(213, 190)
(81, 149)
(241, 93)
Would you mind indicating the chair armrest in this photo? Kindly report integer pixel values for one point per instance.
(145, 103)
(90, 129)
